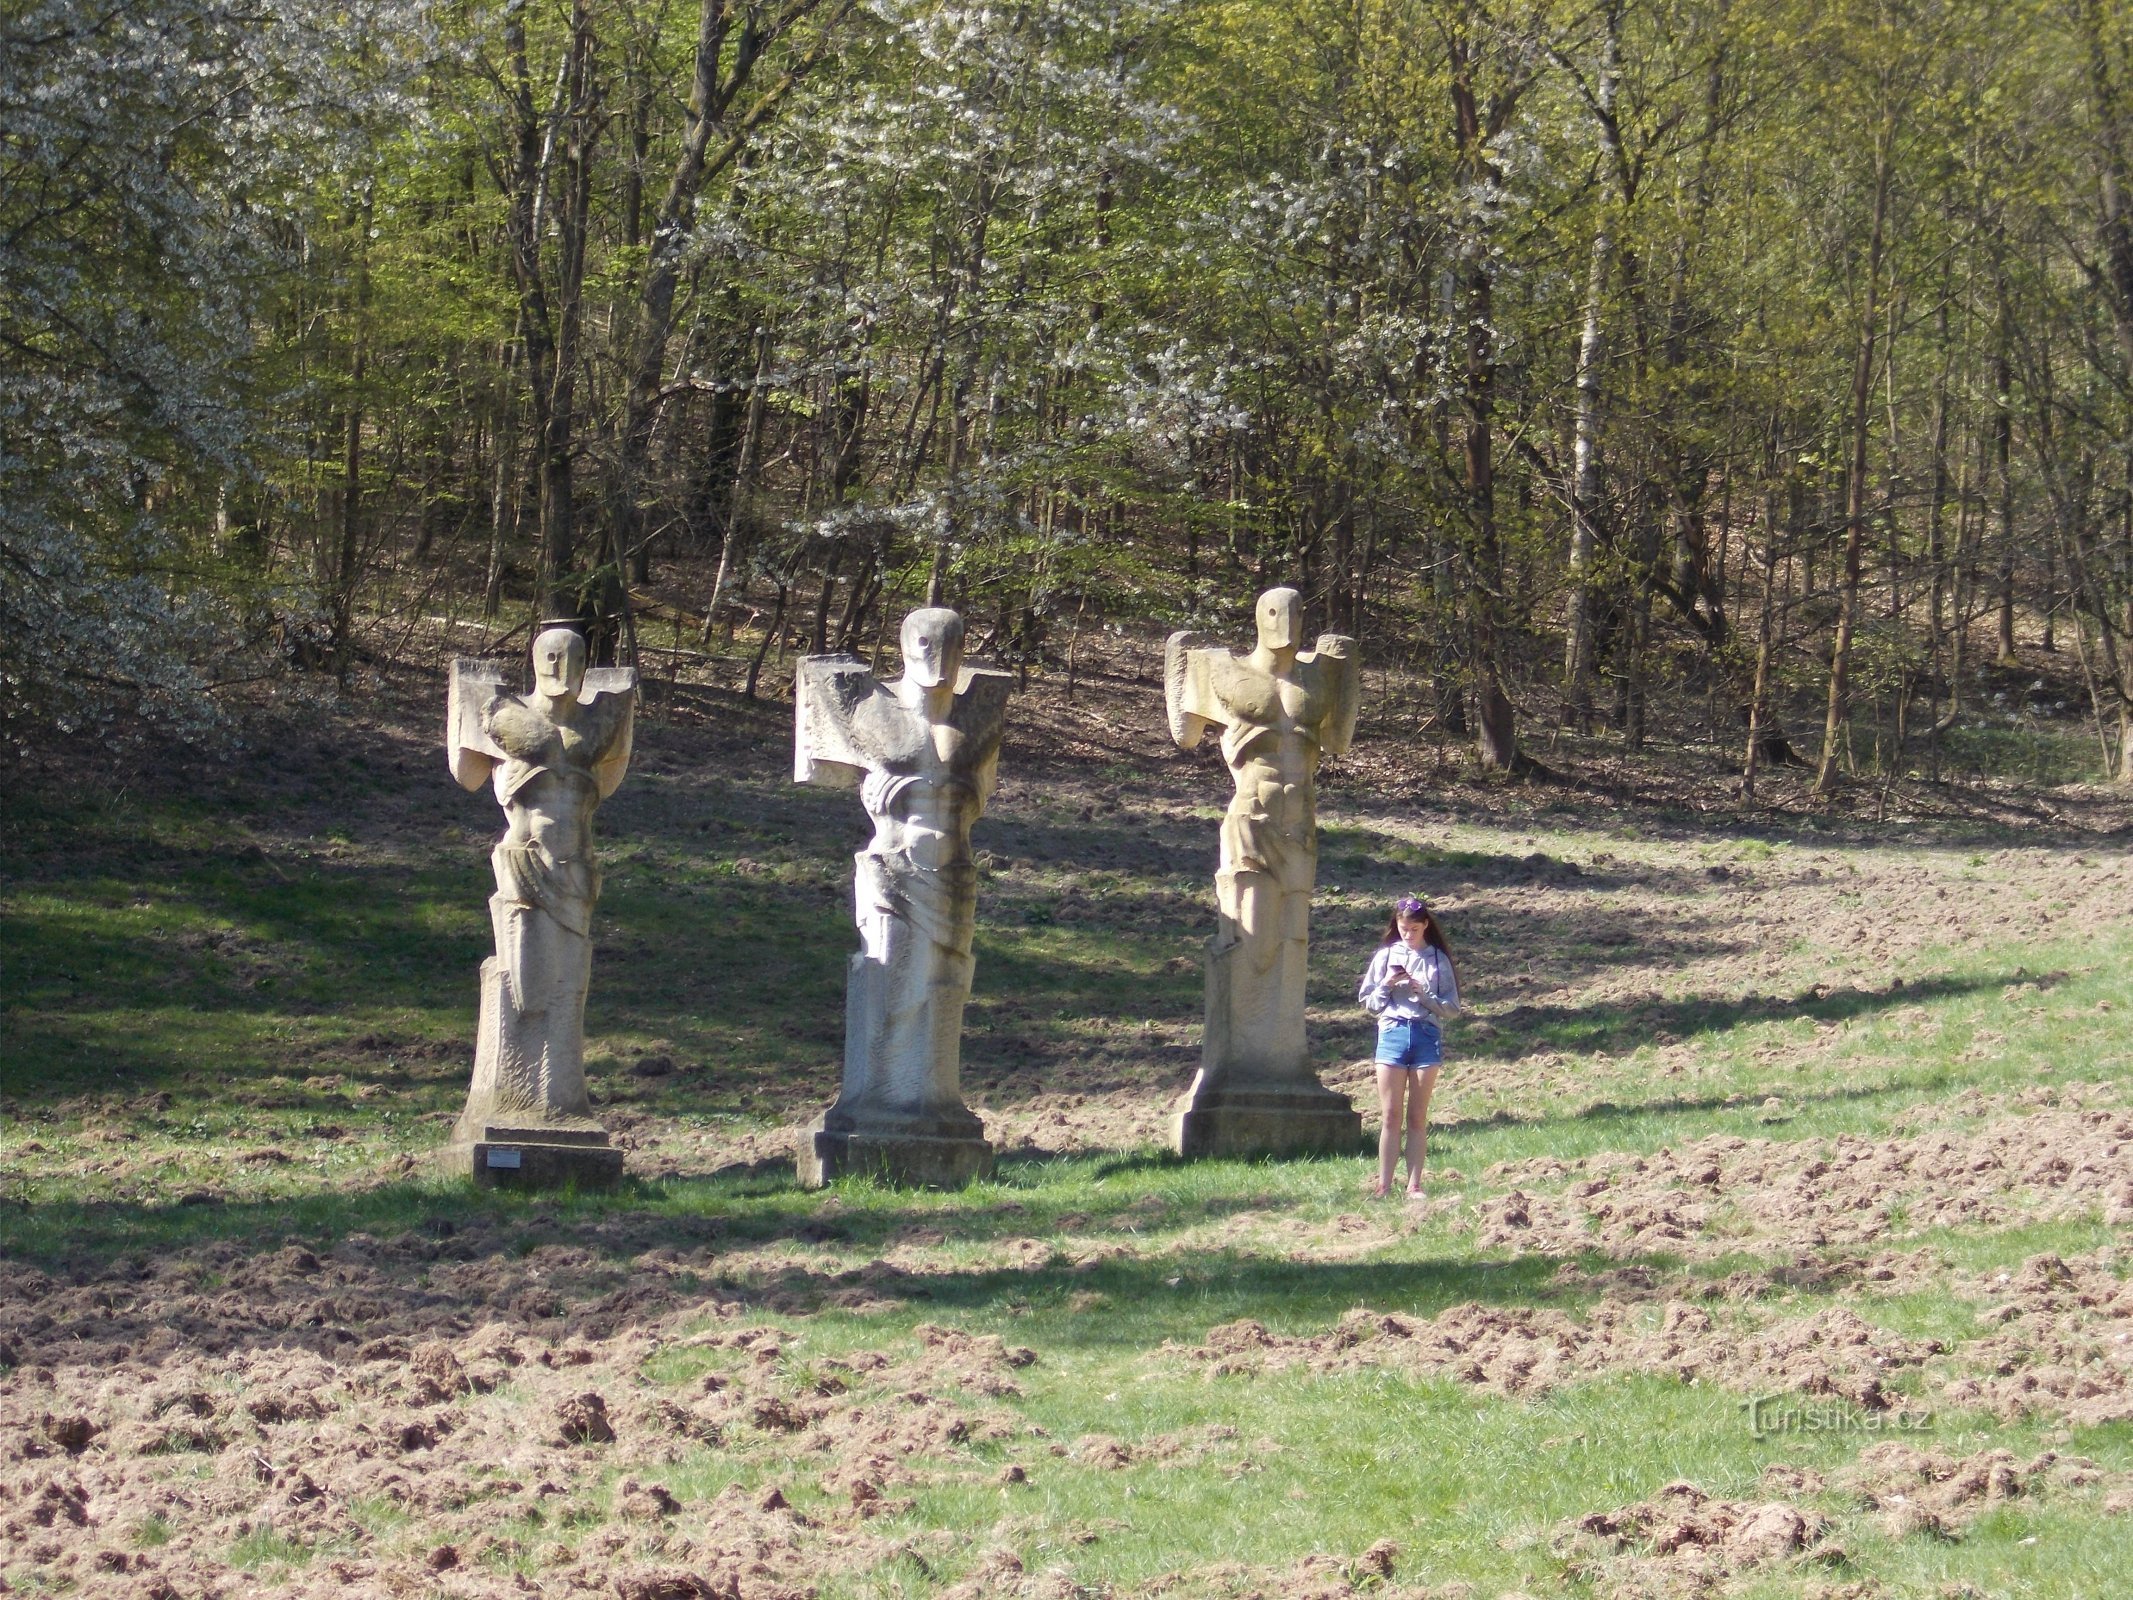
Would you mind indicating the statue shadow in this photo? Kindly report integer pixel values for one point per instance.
(1123, 1302)
(363, 1275)
(1450, 1131)
(368, 972)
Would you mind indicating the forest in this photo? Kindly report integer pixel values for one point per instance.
(1758, 374)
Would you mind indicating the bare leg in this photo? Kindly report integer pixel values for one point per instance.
(1417, 1131)
(1392, 1091)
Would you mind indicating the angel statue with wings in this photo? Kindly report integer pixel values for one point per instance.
(923, 752)
(552, 755)
(1280, 709)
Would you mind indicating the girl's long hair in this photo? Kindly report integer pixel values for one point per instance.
(1432, 933)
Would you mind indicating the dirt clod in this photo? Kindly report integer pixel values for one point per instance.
(71, 1433)
(1102, 1451)
(582, 1419)
(645, 1501)
(775, 1415)
(434, 1374)
(1684, 1537)
(672, 1584)
(1378, 1559)
(1923, 1492)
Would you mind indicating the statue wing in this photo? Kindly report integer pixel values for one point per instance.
(981, 702)
(469, 750)
(981, 715)
(613, 692)
(1188, 692)
(1341, 672)
(827, 691)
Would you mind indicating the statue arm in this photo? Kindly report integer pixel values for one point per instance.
(621, 735)
(827, 690)
(985, 777)
(981, 713)
(609, 694)
(1343, 668)
(470, 751)
(1187, 693)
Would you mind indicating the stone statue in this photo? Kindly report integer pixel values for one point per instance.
(923, 752)
(553, 755)
(1279, 708)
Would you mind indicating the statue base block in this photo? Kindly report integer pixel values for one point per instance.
(535, 1156)
(909, 1160)
(1235, 1121)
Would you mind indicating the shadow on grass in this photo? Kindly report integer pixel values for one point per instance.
(1951, 814)
(1613, 1029)
(1036, 1198)
(1719, 1109)
(404, 1269)
(395, 1264)
(1138, 1303)
(758, 1204)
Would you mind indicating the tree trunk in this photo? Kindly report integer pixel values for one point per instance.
(1937, 494)
(2003, 449)
(709, 144)
(775, 631)
(543, 202)
(1496, 727)
(1765, 636)
(1855, 474)
(503, 491)
(1963, 587)
(2116, 226)
(1585, 497)
(751, 444)
(1585, 442)
(341, 647)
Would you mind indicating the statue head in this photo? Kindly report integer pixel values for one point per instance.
(1280, 617)
(933, 647)
(559, 663)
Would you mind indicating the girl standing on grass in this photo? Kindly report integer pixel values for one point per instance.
(1411, 985)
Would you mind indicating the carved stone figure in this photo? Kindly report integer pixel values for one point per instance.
(1279, 708)
(922, 752)
(552, 755)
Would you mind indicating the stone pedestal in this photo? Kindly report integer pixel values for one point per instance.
(532, 1154)
(528, 1121)
(939, 1153)
(1252, 1120)
(1255, 1093)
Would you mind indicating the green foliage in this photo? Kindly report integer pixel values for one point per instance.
(1085, 315)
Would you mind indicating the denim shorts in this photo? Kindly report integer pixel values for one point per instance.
(1415, 1042)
